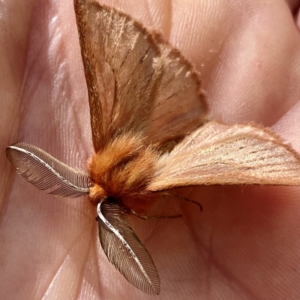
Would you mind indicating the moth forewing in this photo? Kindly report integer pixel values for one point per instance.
(134, 77)
(222, 154)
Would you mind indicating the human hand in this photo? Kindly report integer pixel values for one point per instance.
(244, 245)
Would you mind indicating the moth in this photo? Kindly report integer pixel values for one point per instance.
(150, 134)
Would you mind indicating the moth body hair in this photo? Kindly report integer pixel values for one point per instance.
(123, 170)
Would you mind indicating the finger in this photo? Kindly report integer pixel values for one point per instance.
(293, 5)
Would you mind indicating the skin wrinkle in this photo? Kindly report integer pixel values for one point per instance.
(68, 253)
(212, 262)
(84, 266)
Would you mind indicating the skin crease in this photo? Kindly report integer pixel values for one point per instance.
(246, 242)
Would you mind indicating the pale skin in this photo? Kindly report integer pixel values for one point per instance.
(244, 245)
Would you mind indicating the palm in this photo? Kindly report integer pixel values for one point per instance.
(246, 238)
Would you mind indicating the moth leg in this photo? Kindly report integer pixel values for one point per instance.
(183, 198)
(144, 217)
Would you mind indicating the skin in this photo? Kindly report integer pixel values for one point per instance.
(244, 245)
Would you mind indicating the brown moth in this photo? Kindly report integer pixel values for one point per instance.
(137, 83)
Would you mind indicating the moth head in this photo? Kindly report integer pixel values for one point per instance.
(97, 193)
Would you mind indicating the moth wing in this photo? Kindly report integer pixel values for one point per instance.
(124, 249)
(136, 81)
(46, 172)
(221, 154)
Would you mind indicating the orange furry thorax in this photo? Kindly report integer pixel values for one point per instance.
(122, 170)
